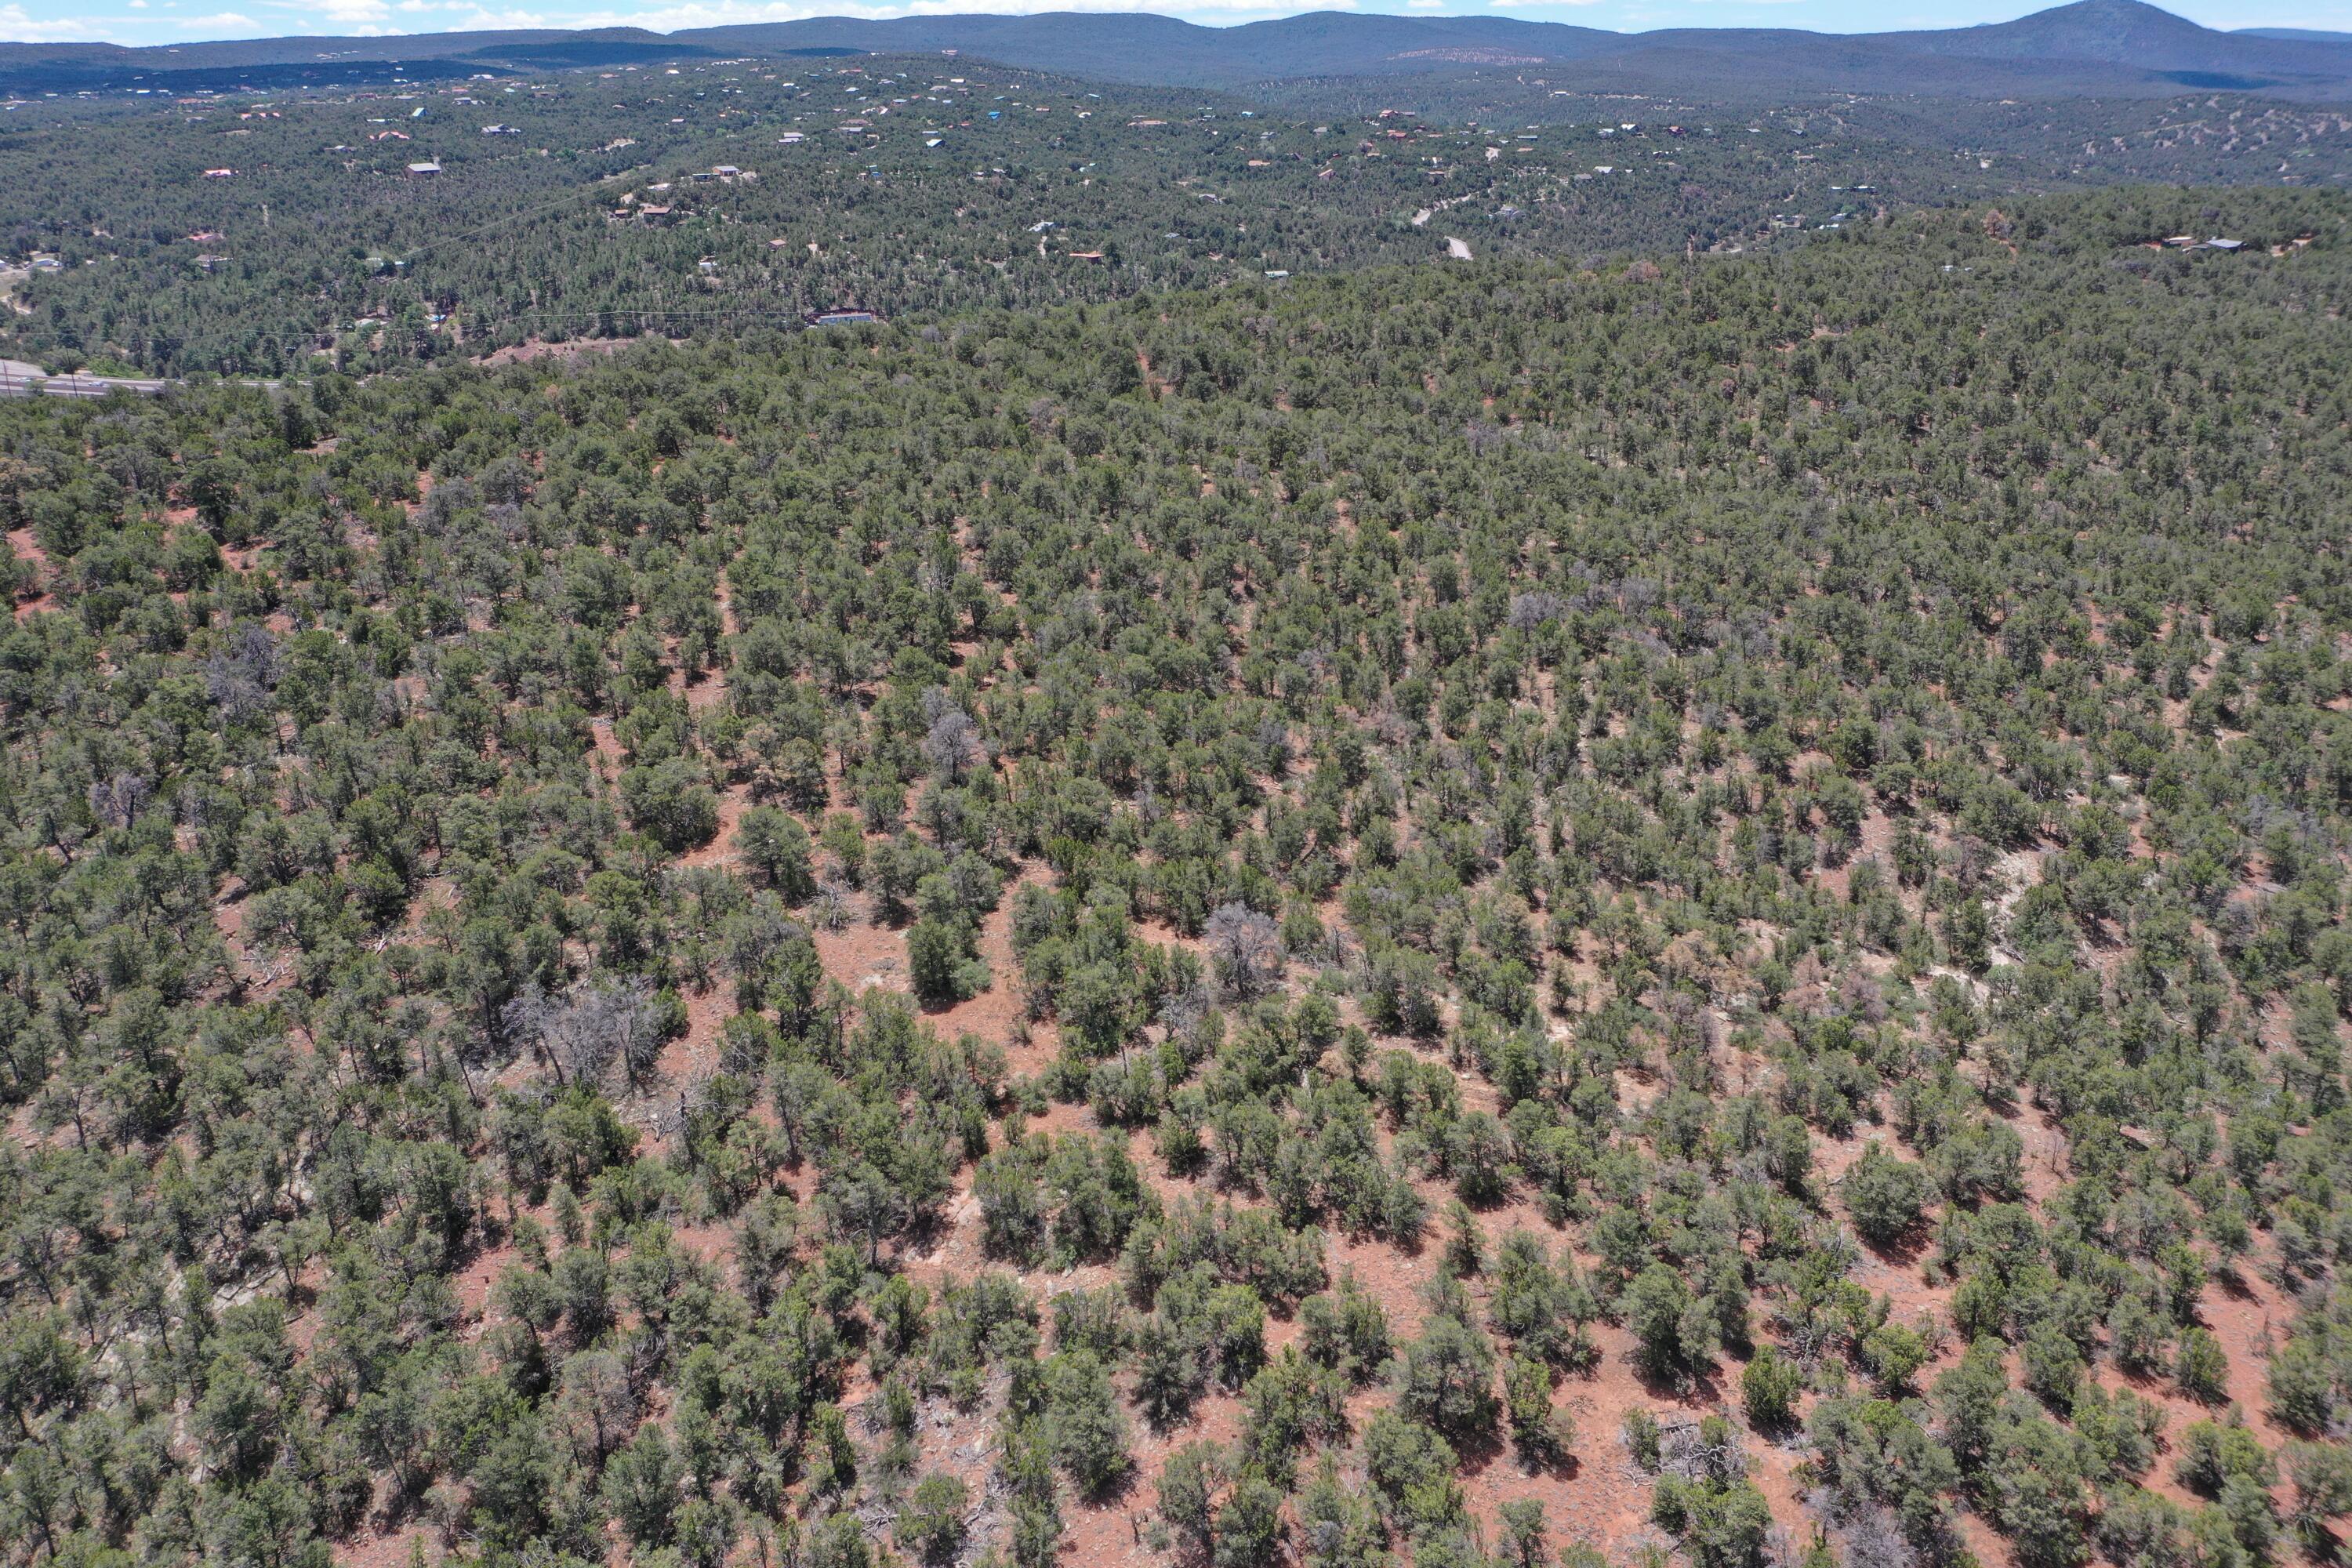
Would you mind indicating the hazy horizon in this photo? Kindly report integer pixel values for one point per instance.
(170, 22)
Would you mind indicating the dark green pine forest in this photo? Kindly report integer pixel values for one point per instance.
(1653, 897)
(587, 207)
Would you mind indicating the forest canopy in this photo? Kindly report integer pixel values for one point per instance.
(445, 220)
(1555, 910)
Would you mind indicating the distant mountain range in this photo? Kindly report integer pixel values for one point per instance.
(2091, 47)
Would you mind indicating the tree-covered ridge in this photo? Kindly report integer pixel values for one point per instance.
(1451, 912)
(584, 206)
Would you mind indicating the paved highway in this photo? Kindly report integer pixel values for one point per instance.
(19, 379)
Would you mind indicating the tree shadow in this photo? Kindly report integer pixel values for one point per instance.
(2319, 1541)
(1173, 1420)
(1691, 1390)
(1559, 1464)
(930, 1226)
(1903, 1250)
(2146, 1381)
(2233, 1283)
(1475, 1450)
(1408, 1247)
(2102, 935)
(391, 1513)
(1116, 1490)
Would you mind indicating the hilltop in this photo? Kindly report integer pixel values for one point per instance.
(2092, 46)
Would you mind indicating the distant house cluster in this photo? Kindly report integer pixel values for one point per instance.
(655, 213)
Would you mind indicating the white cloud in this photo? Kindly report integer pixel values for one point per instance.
(476, 19)
(682, 14)
(347, 15)
(17, 25)
(1425, 4)
(368, 17)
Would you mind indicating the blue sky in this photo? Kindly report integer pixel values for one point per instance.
(182, 21)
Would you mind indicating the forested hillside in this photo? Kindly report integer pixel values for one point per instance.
(1518, 913)
(2116, 49)
(585, 205)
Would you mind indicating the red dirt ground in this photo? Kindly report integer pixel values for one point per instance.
(1597, 1496)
